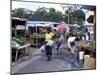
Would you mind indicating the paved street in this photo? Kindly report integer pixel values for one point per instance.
(59, 62)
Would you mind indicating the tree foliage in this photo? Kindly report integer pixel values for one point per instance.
(51, 14)
(18, 13)
(78, 15)
(44, 14)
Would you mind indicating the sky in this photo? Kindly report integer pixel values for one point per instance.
(34, 6)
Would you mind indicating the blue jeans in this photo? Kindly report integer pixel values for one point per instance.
(48, 50)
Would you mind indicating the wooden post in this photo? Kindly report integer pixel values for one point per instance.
(94, 21)
(15, 30)
(16, 55)
(25, 32)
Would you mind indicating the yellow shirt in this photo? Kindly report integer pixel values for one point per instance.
(49, 36)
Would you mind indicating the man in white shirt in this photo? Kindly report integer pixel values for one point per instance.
(70, 40)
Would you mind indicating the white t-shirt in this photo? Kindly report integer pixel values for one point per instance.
(71, 39)
(87, 37)
(50, 43)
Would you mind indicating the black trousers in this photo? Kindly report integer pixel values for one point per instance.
(48, 51)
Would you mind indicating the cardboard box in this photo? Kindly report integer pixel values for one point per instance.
(89, 63)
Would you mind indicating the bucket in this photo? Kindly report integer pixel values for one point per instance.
(86, 56)
(81, 55)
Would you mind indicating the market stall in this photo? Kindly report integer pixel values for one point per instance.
(37, 36)
(18, 39)
(89, 49)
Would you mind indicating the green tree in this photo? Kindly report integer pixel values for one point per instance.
(68, 16)
(39, 14)
(18, 13)
(52, 10)
(54, 15)
(45, 14)
(78, 15)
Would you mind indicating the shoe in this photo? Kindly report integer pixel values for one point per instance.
(50, 58)
(47, 60)
(75, 64)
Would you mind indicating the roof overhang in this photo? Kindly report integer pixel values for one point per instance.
(89, 7)
(90, 18)
(18, 21)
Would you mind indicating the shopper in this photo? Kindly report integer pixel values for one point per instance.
(74, 51)
(71, 39)
(48, 49)
(58, 43)
(49, 36)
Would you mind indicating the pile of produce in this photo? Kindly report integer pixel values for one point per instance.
(19, 39)
(93, 46)
(38, 35)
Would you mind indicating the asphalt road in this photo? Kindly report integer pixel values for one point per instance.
(61, 62)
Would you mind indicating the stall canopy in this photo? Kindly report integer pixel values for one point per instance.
(36, 25)
(18, 23)
(88, 7)
(75, 25)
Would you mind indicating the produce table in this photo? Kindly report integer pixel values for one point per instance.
(37, 39)
(92, 51)
(20, 48)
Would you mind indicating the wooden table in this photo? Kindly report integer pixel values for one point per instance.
(20, 48)
(91, 50)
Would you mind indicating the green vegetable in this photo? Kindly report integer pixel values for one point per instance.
(20, 40)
